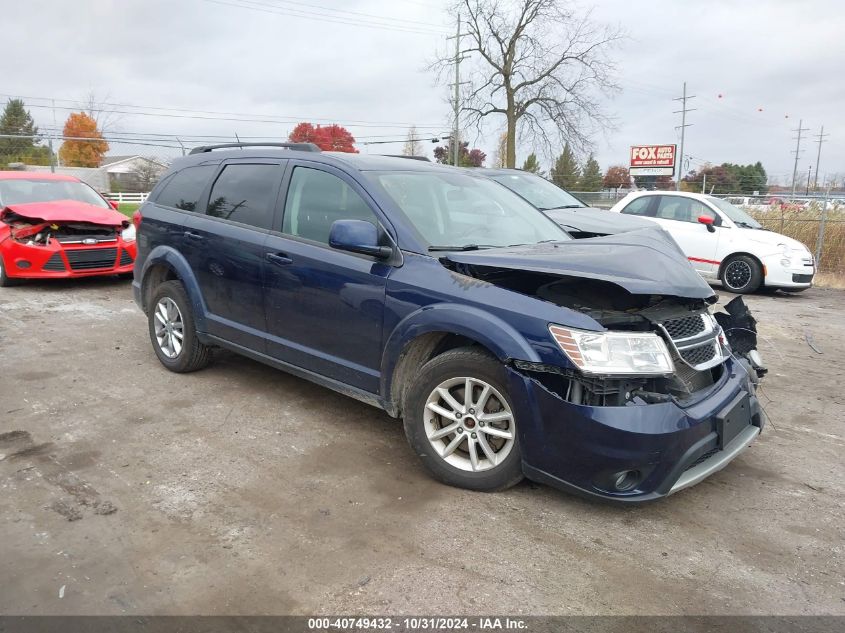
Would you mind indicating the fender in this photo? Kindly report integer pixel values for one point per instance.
(162, 254)
(481, 326)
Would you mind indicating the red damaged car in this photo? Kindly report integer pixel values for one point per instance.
(56, 226)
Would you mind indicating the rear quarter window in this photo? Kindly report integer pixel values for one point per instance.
(183, 189)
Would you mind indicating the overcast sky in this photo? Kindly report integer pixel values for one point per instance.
(756, 68)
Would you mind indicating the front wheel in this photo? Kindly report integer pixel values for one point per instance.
(5, 280)
(459, 420)
(742, 274)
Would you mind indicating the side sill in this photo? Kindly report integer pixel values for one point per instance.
(353, 392)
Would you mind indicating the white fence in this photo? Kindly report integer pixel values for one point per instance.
(133, 198)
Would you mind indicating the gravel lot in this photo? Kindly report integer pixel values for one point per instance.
(242, 490)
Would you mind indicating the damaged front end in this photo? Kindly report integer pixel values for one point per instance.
(659, 397)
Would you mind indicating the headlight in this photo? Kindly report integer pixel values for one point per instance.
(128, 234)
(629, 353)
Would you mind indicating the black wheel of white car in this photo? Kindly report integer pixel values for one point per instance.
(172, 330)
(459, 420)
(742, 274)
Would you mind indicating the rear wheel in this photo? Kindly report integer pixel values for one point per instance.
(172, 330)
(459, 420)
(742, 274)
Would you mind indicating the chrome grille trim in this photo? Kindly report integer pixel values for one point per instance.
(700, 350)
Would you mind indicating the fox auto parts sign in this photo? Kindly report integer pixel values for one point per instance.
(652, 160)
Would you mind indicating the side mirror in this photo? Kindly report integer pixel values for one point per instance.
(357, 236)
(114, 205)
(707, 221)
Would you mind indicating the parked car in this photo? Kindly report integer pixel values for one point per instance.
(55, 226)
(724, 243)
(577, 218)
(431, 292)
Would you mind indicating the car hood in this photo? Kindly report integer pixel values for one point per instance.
(66, 211)
(593, 220)
(642, 262)
(770, 238)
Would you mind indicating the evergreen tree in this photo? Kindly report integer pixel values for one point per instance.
(17, 120)
(532, 165)
(566, 172)
(591, 178)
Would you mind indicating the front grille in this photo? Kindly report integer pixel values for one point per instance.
(55, 264)
(684, 327)
(802, 279)
(125, 258)
(699, 355)
(90, 259)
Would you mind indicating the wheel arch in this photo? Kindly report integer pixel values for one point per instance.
(734, 255)
(165, 264)
(430, 332)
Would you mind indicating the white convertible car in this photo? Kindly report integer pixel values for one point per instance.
(723, 242)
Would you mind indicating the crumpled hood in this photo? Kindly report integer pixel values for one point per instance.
(67, 211)
(644, 262)
(593, 220)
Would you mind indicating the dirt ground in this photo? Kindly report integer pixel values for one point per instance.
(242, 490)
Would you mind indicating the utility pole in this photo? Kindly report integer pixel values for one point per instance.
(820, 140)
(797, 150)
(809, 176)
(456, 149)
(683, 112)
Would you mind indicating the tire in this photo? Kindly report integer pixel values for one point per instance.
(169, 305)
(741, 274)
(471, 455)
(5, 280)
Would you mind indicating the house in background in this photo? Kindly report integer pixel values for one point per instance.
(116, 174)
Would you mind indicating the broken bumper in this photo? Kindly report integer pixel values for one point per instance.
(668, 446)
(57, 261)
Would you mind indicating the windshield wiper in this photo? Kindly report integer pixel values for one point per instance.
(566, 206)
(745, 224)
(465, 247)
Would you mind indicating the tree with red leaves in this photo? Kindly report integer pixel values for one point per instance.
(329, 138)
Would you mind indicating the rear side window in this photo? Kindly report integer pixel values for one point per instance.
(245, 193)
(640, 206)
(183, 189)
(316, 199)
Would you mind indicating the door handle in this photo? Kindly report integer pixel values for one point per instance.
(195, 237)
(280, 259)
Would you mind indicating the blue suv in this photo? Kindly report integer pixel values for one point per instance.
(438, 295)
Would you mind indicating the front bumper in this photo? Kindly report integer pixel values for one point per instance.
(798, 273)
(62, 261)
(582, 449)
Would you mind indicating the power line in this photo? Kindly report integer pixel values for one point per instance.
(683, 112)
(252, 5)
(366, 15)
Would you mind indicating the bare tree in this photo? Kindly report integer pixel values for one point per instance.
(101, 111)
(147, 172)
(412, 146)
(540, 65)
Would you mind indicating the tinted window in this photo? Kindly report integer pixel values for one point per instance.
(244, 193)
(317, 199)
(640, 206)
(184, 188)
(682, 209)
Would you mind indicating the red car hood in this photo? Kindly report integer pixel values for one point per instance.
(67, 211)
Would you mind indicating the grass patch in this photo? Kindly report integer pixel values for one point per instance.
(128, 208)
(804, 226)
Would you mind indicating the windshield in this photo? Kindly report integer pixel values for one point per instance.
(463, 211)
(23, 190)
(538, 191)
(738, 216)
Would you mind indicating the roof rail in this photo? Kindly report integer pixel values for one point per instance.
(423, 158)
(302, 147)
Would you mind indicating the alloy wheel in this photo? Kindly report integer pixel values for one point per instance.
(469, 424)
(738, 274)
(169, 327)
